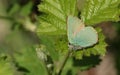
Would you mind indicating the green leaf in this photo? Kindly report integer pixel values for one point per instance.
(55, 12)
(98, 49)
(48, 41)
(18, 11)
(27, 58)
(19, 45)
(15, 8)
(97, 11)
(6, 67)
(26, 9)
(57, 47)
(61, 45)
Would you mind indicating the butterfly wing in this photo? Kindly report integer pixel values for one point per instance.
(79, 35)
(86, 37)
(72, 24)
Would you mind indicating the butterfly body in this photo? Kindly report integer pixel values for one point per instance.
(80, 36)
(73, 47)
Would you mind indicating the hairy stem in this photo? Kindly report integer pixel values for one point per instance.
(63, 63)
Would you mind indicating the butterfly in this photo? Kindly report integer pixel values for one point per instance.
(80, 36)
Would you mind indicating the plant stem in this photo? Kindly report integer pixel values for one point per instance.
(63, 63)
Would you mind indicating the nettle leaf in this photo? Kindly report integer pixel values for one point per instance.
(98, 49)
(27, 60)
(55, 12)
(96, 11)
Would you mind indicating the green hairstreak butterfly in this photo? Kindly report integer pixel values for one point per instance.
(80, 36)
